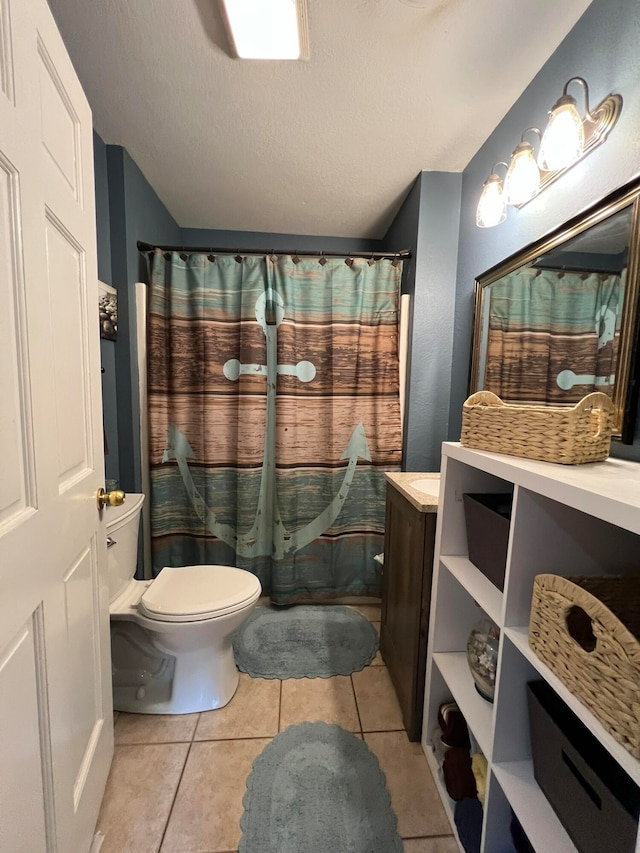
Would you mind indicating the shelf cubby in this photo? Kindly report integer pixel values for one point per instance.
(531, 807)
(496, 830)
(462, 479)
(519, 637)
(486, 594)
(550, 537)
(454, 669)
(511, 739)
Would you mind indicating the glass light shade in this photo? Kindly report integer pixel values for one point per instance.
(563, 140)
(492, 208)
(523, 177)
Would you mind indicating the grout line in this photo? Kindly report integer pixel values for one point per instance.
(234, 737)
(383, 731)
(425, 837)
(355, 699)
(195, 728)
(173, 801)
(154, 742)
(279, 707)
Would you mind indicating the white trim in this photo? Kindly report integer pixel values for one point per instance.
(141, 340)
(98, 840)
(403, 350)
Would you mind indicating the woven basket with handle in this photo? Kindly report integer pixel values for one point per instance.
(566, 434)
(587, 632)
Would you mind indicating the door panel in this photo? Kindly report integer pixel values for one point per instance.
(16, 427)
(81, 652)
(59, 123)
(6, 58)
(66, 262)
(55, 684)
(22, 790)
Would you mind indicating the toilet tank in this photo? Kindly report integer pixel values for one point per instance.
(122, 543)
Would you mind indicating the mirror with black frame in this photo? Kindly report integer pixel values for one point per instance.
(560, 318)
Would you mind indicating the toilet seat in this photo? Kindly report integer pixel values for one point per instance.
(194, 593)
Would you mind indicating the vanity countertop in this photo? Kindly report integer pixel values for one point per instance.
(403, 481)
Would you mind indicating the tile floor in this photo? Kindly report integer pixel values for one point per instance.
(177, 782)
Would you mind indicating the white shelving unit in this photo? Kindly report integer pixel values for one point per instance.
(566, 520)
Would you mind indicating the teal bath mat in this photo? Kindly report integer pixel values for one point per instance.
(317, 788)
(306, 641)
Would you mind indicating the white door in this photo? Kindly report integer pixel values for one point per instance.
(56, 730)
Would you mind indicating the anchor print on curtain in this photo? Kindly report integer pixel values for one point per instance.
(274, 413)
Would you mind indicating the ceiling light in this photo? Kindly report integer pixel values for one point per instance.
(268, 29)
(567, 139)
(492, 207)
(523, 175)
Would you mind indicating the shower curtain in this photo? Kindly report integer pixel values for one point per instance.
(273, 415)
(553, 335)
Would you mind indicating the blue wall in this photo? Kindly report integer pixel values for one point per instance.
(136, 213)
(103, 226)
(427, 223)
(603, 48)
(252, 240)
(107, 348)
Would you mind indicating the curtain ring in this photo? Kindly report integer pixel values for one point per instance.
(371, 260)
(295, 258)
(167, 256)
(273, 257)
(211, 257)
(395, 261)
(183, 255)
(322, 260)
(238, 259)
(348, 262)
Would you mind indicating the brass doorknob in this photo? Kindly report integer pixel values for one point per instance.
(115, 498)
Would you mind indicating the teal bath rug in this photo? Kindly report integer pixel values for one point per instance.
(305, 641)
(317, 788)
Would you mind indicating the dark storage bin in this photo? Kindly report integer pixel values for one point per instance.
(595, 800)
(488, 517)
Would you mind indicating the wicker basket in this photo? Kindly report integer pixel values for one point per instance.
(586, 630)
(566, 434)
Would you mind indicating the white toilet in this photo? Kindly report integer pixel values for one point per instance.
(171, 637)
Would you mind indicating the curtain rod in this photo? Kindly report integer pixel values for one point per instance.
(148, 247)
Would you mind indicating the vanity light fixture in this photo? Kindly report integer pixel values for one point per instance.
(267, 29)
(567, 138)
(492, 207)
(523, 176)
(563, 140)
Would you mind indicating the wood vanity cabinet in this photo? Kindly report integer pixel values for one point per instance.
(406, 594)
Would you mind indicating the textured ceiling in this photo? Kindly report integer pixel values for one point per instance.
(324, 147)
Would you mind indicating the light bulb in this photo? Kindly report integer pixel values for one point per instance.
(563, 140)
(523, 177)
(492, 208)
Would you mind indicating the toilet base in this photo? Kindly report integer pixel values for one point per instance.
(201, 682)
(159, 668)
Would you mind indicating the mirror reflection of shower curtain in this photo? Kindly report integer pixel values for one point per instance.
(274, 413)
(553, 336)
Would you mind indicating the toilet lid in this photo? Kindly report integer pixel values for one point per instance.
(199, 592)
